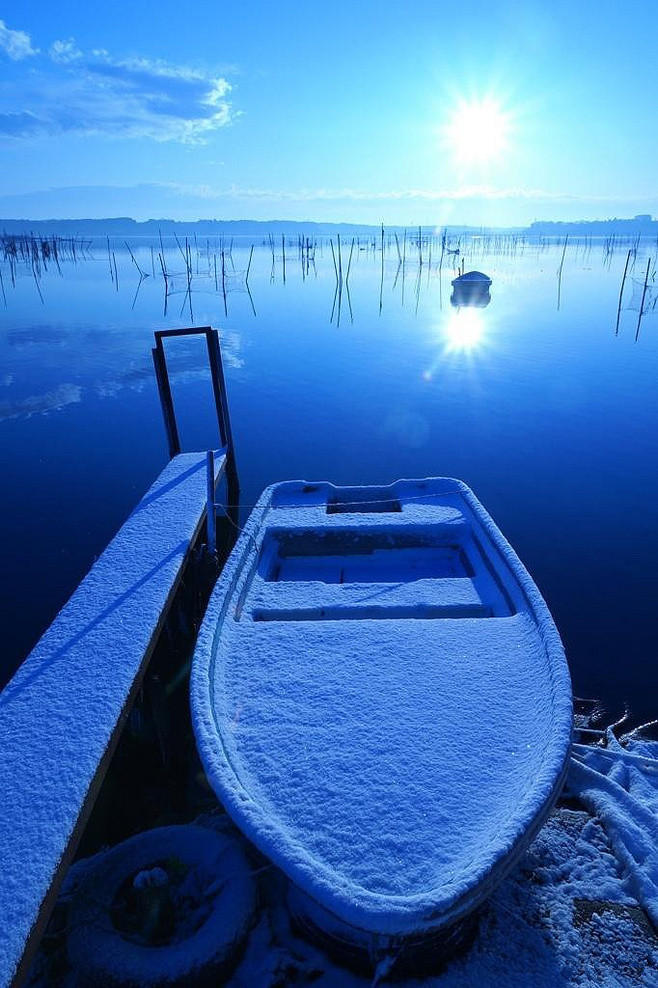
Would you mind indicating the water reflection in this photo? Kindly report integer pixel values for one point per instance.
(40, 404)
(464, 330)
(471, 389)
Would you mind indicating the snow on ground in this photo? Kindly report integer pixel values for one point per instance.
(621, 787)
(567, 917)
(563, 918)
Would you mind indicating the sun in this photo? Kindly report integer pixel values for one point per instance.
(478, 131)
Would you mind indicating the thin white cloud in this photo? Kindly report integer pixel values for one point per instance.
(473, 192)
(190, 201)
(64, 52)
(139, 65)
(16, 44)
(96, 93)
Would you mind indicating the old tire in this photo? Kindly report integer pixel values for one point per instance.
(102, 955)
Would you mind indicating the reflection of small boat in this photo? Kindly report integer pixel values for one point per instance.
(381, 701)
(471, 288)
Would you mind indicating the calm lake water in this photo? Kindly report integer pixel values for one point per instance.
(549, 416)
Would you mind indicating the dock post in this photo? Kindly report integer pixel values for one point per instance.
(210, 505)
(166, 400)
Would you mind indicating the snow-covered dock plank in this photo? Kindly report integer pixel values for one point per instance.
(62, 713)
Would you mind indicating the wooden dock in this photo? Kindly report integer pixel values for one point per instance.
(62, 713)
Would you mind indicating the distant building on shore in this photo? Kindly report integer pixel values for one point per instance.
(642, 224)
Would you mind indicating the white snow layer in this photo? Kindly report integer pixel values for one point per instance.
(566, 917)
(392, 768)
(60, 710)
(562, 919)
(621, 788)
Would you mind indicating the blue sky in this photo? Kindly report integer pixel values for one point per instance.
(328, 111)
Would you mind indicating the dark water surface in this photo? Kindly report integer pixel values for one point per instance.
(548, 415)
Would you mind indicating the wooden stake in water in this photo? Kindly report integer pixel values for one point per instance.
(381, 280)
(644, 292)
(559, 272)
(141, 273)
(331, 244)
(224, 284)
(349, 263)
(621, 291)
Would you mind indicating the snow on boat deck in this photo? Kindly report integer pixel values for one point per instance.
(388, 745)
(473, 278)
(61, 713)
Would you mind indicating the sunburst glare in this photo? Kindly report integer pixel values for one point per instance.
(464, 330)
(463, 333)
(478, 131)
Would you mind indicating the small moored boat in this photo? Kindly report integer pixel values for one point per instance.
(472, 279)
(381, 699)
(471, 289)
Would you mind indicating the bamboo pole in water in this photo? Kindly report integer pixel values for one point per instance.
(381, 280)
(644, 292)
(349, 263)
(224, 284)
(621, 291)
(251, 254)
(141, 273)
(331, 244)
(559, 271)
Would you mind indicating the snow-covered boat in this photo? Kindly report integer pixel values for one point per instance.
(381, 699)
(472, 279)
(471, 289)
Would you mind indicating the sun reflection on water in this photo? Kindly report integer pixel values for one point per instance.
(464, 330)
(464, 334)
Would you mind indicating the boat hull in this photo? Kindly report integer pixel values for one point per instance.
(381, 699)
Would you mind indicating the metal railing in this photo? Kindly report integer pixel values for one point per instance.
(223, 421)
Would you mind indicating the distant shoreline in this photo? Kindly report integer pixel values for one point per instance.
(642, 225)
